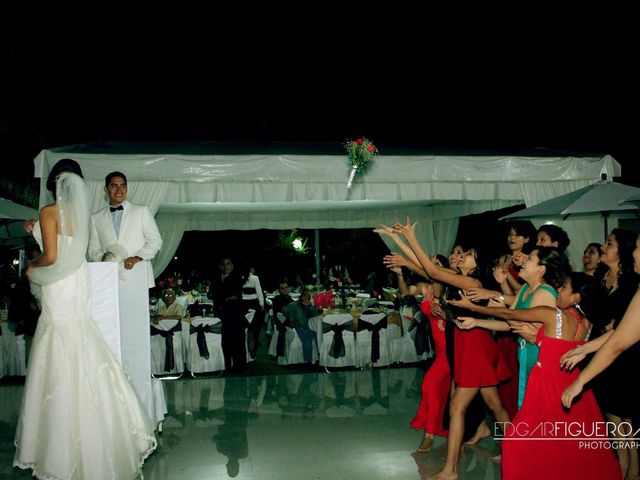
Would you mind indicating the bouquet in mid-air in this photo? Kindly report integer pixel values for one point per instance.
(360, 153)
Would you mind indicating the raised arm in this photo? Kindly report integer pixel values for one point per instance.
(434, 271)
(627, 334)
(411, 259)
(402, 284)
(396, 260)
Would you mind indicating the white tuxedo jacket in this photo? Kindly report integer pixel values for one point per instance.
(139, 235)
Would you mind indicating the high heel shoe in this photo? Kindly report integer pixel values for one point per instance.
(425, 446)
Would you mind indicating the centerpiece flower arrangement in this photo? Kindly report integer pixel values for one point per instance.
(360, 153)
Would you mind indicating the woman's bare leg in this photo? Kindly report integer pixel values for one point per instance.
(457, 408)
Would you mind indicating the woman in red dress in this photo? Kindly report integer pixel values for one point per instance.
(545, 440)
(437, 379)
(478, 365)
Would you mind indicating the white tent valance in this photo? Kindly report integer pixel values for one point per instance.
(191, 187)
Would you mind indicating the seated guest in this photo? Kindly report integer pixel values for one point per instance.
(282, 299)
(298, 314)
(169, 309)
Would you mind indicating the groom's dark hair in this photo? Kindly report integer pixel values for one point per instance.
(107, 179)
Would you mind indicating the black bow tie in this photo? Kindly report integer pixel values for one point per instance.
(113, 209)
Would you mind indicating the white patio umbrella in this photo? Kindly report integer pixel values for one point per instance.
(603, 197)
(12, 215)
(632, 200)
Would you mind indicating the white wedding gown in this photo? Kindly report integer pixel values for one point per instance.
(80, 417)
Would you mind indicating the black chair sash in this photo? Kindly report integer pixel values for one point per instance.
(337, 349)
(281, 327)
(169, 362)
(201, 340)
(421, 325)
(374, 328)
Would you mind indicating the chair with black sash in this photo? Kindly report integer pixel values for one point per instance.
(205, 345)
(285, 342)
(338, 346)
(249, 316)
(167, 356)
(371, 340)
(415, 343)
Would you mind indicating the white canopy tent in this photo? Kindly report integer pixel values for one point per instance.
(195, 187)
(12, 216)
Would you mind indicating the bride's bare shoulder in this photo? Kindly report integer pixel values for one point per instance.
(48, 211)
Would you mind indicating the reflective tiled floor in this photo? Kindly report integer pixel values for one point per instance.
(342, 425)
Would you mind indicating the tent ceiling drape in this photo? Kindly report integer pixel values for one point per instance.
(193, 187)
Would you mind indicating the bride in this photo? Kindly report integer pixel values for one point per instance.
(80, 417)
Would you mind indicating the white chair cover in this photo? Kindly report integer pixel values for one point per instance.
(158, 348)
(349, 359)
(402, 347)
(364, 343)
(13, 360)
(292, 345)
(196, 363)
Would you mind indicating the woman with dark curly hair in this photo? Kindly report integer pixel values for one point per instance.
(616, 273)
(550, 235)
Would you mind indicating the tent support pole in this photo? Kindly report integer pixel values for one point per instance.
(606, 224)
(316, 242)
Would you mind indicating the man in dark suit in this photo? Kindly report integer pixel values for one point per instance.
(227, 304)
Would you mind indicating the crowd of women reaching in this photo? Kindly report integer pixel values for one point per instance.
(521, 332)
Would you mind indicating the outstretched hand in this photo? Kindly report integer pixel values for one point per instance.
(384, 230)
(407, 229)
(466, 323)
(464, 301)
(499, 275)
(526, 330)
(394, 260)
(573, 357)
(476, 294)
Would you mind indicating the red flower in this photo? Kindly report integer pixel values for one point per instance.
(359, 141)
(161, 284)
(371, 147)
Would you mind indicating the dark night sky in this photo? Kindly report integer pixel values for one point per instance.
(186, 78)
(503, 88)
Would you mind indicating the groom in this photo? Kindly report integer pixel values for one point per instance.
(123, 231)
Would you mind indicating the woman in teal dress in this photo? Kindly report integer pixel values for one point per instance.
(544, 272)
